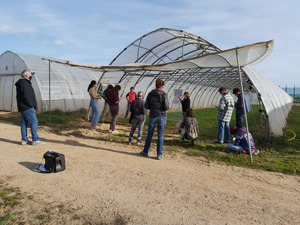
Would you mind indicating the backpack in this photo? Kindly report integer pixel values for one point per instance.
(192, 132)
(54, 162)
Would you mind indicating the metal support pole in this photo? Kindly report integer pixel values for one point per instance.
(242, 89)
(49, 94)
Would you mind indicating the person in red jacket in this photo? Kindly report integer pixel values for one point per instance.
(130, 97)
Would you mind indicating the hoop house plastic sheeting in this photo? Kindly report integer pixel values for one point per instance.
(276, 101)
(68, 84)
(168, 45)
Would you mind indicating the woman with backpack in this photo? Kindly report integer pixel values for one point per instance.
(113, 102)
(190, 126)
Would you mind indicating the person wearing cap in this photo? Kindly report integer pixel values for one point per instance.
(138, 115)
(241, 143)
(157, 102)
(239, 107)
(27, 105)
(225, 109)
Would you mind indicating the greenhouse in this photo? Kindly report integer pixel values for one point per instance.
(185, 61)
(66, 87)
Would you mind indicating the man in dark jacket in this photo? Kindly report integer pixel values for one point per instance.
(27, 105)
(239, 106)
(138, 116)
(157, 102)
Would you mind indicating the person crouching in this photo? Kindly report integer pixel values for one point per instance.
(241, 144)
(190, 125)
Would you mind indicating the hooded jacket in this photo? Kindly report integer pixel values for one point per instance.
(157, 102)
(25, 95)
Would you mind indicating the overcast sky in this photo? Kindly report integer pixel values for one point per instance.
(95, 31)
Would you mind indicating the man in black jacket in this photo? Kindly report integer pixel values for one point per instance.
(138, 116)
(27, 105)
(157, 102)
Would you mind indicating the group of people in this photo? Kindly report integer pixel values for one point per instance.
(157, 103)
(243, 140)
(111, 105)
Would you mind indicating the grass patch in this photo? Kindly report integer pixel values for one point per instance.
(279, 154)
(9, 198)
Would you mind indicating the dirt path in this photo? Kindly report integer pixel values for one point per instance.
(105, 179)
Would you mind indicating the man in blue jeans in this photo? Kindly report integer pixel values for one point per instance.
(157, 102)
(27, 105)
(138, 116)
(225, 109)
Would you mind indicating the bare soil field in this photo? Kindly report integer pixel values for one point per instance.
(106, 182)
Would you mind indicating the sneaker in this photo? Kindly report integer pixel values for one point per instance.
(160, 157)
(23, 142)
(95, 127)
(256, 152)
(139, 142)
(109, 131)
(144, 154)
(226, 142)
(115, 132)
(218, 142)
(129, 140)
(38, 143)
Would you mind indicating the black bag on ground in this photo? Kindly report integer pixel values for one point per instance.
(54, 162)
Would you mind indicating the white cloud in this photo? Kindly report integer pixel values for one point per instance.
(55, 42)
(59, 42)
(17, 30)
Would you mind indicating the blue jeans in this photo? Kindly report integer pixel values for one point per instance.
(239, 120)
(135, 123)
(161, 122)
(236, 148)
(223, 127)
(95, 111)
(128, 109)
(29, 116)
